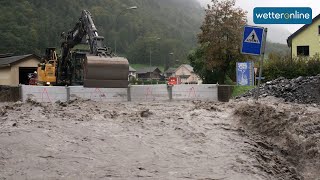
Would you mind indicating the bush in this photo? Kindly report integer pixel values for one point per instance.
(283, 66)
(239, 90)
(228, 81)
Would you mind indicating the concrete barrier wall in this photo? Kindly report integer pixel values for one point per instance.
(99, 94)
(44, 93)
(207, 92)
(149, 92)
(137, 93)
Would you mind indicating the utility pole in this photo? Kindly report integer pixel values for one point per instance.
(150, 63)
(167, 64)
(150, 56)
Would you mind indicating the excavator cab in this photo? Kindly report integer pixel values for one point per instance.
(47, 69)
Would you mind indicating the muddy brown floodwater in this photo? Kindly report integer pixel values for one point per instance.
(149, 140)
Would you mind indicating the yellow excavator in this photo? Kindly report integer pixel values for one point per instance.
(46, 71)
(98, 68)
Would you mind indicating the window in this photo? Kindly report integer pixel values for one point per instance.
(303, 50)
(319, 30)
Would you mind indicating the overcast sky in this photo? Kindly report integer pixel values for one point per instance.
(249, 5)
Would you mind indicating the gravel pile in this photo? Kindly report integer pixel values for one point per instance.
(304, 90)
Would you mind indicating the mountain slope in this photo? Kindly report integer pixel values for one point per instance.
(29, 26)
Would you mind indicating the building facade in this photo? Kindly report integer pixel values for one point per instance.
(170, 72)
(14, 70)
(306, 41)
(149, 73)
(186, 75)
(132, 72)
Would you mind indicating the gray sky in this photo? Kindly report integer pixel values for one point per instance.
(249, 5)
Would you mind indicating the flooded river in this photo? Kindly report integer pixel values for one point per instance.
(149, 140)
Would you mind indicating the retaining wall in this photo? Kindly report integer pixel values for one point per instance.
(133, 93)
(44, 93)
(149, 92)
(206, 92)
(99, 94)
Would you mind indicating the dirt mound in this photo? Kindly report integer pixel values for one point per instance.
(304, 90)
(293, 132)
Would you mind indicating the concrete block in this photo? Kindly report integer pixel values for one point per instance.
(207, 92)
(99, 94)
(149, 92)
(44, 93)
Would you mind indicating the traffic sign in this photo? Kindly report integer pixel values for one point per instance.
(245, 75)
(252, 41)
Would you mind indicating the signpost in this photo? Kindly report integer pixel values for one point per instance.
(253, 43)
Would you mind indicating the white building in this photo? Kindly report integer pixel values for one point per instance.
(186, 75)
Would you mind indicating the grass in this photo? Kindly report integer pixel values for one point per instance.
(239, 90)
(140, 66)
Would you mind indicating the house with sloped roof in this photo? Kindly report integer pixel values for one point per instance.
(14, 70)
(149, 73)
(132, 72)
(170, 72)
(306, 41)
(186, 75)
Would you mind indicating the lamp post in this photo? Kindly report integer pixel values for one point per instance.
(116, 23)
(150, 63)
(167, 65)
(150, 56)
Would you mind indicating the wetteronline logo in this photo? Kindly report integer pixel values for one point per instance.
(277, 15)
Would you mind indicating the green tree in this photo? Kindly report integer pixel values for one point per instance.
(197, 61)
(221, 33)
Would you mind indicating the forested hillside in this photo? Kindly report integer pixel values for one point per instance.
(29, 26)
(281, 49)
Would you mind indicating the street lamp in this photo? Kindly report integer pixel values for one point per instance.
(167, 64)
(116, 23)
(150, 54)
(132, 7)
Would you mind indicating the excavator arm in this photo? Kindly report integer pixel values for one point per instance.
(101, 67)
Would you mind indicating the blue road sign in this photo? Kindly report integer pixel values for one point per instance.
(252, 40)
(245, 73)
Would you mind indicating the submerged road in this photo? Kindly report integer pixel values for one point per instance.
(159, 140)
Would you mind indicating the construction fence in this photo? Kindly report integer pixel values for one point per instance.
(205, 92)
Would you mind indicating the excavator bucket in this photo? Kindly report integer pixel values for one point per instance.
(106, 72)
